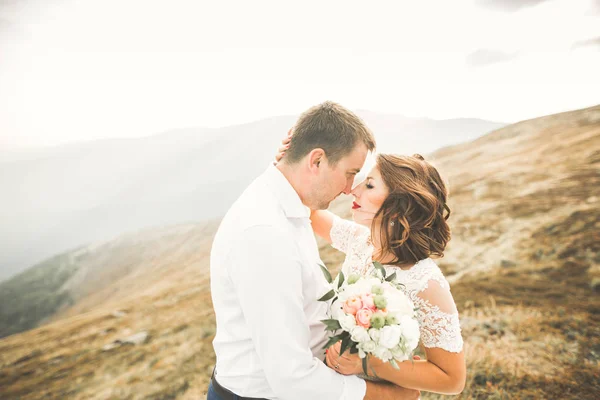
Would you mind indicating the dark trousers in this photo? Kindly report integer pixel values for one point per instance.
(212, 395)
(218, 392)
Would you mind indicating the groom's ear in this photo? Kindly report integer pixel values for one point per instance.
(315, 159)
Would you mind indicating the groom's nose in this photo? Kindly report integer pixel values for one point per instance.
(348, 187)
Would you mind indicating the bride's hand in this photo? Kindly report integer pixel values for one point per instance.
(285, 144)
(346, 364)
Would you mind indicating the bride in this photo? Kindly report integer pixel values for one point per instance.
(400, 215)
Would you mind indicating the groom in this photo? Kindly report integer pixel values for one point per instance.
(265, 278)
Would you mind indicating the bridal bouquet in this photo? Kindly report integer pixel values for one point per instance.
(374, 316)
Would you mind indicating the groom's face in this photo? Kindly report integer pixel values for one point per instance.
(337, 179)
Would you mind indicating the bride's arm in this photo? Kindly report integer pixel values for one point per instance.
(322, 221)
(443, 372)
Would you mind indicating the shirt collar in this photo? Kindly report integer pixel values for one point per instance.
(287, 196)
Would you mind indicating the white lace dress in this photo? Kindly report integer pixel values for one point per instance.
(424, 284)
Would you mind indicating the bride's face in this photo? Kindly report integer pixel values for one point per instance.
(369, 197)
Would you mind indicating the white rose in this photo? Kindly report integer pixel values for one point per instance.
(359, 334)
(390, 336)
(361, 353)
(362, 287)
(412, 344)
(372, 282)
(347, 322)
(348, 292)
(375, 334)
(399, 354)
(410, 331)
(368, 347)
(399, 304)
(336, 310)
(410, 327)
(343, 295)
(382, 353)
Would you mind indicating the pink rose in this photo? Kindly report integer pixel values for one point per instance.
(352, 305)
(363, 318)
(367, 301)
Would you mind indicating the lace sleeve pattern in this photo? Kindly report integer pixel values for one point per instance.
(438, 317)
(352, 239)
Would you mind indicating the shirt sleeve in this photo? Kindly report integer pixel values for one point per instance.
(266, 272)
(438, 317)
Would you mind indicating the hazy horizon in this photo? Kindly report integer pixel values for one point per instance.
(204, 128)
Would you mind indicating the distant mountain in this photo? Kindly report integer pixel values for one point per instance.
(57, 199)
(523, 263)
(398, 134)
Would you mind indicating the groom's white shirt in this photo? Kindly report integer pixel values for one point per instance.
(265, 282)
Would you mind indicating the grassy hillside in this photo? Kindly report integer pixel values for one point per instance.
(33, 296)
(101, 274)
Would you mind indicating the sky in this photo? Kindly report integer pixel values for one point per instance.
(86, 70)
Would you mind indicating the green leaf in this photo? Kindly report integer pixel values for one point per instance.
(327, 296)
(379, 267)
(364, 365)
(326, 273)
(331, 324)
(394, 364)
(354, 349)
(332, 340)
(391, 277)
(345, 343)
(340, 279)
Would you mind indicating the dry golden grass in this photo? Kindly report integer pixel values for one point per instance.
(66, 359)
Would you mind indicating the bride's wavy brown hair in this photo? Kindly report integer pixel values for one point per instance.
(413, 216)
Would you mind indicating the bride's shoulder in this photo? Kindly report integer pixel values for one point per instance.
(427, 270)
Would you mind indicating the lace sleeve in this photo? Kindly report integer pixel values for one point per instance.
(345, 233)
(438, 317)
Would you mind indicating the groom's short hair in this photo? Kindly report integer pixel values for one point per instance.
(330, 127)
